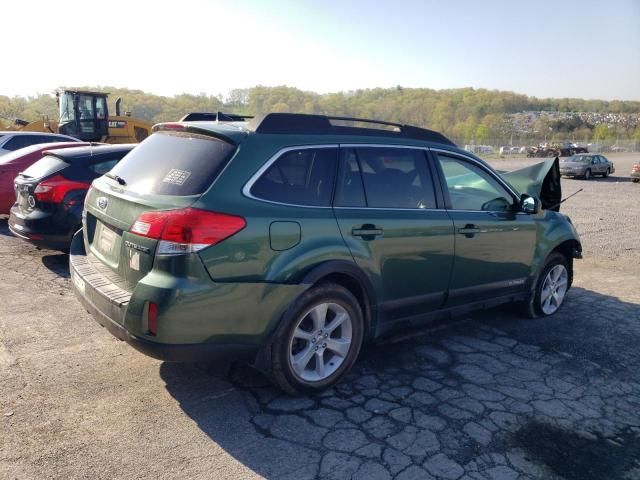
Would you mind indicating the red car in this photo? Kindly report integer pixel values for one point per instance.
(15, 162)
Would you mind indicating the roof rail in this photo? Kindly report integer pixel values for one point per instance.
(214, 117)
(302, 123)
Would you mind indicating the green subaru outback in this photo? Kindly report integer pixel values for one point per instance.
(289, 241)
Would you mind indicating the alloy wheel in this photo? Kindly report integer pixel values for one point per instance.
(554, 289)
(320, 342)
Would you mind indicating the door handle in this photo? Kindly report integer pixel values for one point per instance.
(367, 232)
(469, 230)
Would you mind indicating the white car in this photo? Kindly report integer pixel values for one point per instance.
(10, 141)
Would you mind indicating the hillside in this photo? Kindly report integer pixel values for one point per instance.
(466, 114)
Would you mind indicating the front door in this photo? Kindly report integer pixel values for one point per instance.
(494, 243)
(386, 208)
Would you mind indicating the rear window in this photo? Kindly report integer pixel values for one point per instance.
(45, 167)
(174, 163)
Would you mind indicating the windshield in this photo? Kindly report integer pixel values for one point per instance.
(578, 159)
(66, 108)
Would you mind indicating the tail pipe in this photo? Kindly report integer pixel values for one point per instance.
(118, 100)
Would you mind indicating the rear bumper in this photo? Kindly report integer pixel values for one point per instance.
(219, 353)
(571, 174)
(42, 229)
(198, 320)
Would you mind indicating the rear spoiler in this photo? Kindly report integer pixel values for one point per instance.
(214, 117)
(185, 127)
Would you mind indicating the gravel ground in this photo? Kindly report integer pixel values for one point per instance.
(492, 396)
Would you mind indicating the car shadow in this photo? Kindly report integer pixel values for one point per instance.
(598, 179)
(614, 179)
(57, 263)
(591, 340)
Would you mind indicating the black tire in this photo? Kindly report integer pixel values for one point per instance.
(282, 372)
(587, 174)
(532, 307)
(635, 180)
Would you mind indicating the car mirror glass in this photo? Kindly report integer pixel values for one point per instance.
(529, 204)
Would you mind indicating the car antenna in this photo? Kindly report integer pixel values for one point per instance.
(565, 199)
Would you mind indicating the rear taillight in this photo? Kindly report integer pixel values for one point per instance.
(186, 230)
(54, 189)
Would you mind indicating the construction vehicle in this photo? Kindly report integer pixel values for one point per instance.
(85, 115)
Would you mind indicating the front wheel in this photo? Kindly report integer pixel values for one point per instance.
(550, 289)
(587, 174)
(606, 174)
(319, 340)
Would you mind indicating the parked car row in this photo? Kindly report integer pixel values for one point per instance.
(290, 241)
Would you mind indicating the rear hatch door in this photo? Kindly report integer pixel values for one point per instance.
(169, 170)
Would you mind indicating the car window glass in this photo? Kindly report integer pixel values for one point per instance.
(101, 107)
(299, 177)
(103, 167)
(395, 177)
(47, 165)
(472, 188)
(350, 190)
(85, 106)
(19, 141)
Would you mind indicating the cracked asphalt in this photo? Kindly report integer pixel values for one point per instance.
(491, 396)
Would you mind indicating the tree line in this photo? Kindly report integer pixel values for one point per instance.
(464, 114)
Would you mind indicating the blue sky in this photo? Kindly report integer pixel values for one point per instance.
(562, 48)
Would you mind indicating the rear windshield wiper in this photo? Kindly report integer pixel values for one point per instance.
(115, 177)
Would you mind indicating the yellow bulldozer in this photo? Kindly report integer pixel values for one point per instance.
(85, 115)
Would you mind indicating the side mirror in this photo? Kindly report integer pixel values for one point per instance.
(529, 204)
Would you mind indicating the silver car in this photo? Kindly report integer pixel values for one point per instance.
(10, 140)
(586, 165)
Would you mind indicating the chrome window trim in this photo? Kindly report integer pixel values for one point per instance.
(394, 209)
(246, 190)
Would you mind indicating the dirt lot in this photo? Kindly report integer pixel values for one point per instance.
(491, 397)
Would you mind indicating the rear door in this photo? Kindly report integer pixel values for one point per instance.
(386, 208)
(169, 170)
(494, 243)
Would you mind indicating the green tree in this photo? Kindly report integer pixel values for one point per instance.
(601, 132)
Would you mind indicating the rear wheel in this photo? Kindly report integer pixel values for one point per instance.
(318, 341)
(551, 288)
(587, 174)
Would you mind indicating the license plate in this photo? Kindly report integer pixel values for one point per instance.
(106, 240)
(134, 261)
(78, 282)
